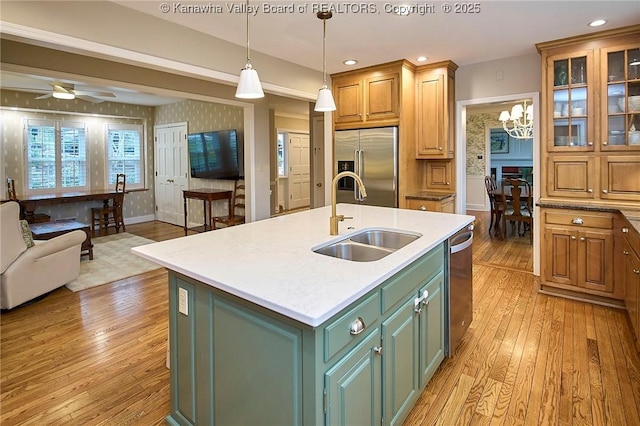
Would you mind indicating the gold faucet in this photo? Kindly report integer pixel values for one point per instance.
(334, 219)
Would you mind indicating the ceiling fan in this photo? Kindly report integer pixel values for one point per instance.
(68, 91)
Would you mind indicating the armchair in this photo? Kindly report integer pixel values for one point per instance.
(26, 273)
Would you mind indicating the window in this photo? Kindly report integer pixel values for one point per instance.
(56, 155)
(125, 154)
(282, 161)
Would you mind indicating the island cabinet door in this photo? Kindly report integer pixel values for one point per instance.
(431, 328)
(353, 386)
(399, 364)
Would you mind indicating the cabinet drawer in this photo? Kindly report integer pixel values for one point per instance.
(338, 333)
(590, 220)
(407, 281)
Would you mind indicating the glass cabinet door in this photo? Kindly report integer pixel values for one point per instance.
(621, 115)
(571, 104)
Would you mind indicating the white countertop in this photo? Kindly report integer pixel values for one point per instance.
(271, 262)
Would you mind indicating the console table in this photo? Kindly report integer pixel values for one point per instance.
(207, 196)
(28, 203)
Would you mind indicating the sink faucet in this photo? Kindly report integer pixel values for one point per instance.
(334, 219)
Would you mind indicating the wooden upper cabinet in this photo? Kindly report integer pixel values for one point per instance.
(570, 87)
(435, 115)
(367, 98)
(571, 177)
(620, 177)
(620, 99)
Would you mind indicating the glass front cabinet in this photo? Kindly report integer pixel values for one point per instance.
(572, 93)
(620, 120)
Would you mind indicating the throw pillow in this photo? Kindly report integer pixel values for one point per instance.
(27, 235)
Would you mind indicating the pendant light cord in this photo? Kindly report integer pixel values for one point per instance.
(248, 50)
(324, 15)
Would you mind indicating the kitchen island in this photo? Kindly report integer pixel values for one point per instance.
(265, 331)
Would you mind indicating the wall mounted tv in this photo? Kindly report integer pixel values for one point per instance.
(214, 155)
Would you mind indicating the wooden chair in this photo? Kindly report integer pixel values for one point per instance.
(519, 208)
(110, 216)
(11, 193)
(490, 185)
(237, 212)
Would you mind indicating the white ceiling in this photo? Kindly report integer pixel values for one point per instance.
(498, 29)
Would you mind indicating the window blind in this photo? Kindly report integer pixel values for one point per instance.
(125, 154)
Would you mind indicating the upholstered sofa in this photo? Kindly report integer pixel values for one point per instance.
(27, 273)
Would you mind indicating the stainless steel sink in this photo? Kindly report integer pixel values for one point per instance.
(367, 245)
(353, 251)
(383, 238)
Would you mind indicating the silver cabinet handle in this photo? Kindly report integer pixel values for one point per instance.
(357, 326)
(582, 238)
(573, 237)
(590, 190)
(636, 271)
(591, 144)
(604, 191)
(626, 253)
(439, 148)
(423, 208)
(417, 305)
(378, 350)
(577, 221)
(625, 230)
(605, 143)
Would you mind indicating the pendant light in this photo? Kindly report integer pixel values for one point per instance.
(249, 86)
(325, 99)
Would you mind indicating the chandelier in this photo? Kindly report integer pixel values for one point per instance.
(521, 121)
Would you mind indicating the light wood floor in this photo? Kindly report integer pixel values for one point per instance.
(98, 356)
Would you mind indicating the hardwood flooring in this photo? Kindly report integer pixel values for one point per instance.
(97, 357)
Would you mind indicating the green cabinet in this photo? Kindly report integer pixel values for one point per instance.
(233, 362)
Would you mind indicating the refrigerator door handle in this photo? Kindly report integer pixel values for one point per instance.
(356, 170)
(360, 170)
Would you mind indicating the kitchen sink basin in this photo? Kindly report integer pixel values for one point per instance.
(393, 240)
(368, 245)
(354, 251)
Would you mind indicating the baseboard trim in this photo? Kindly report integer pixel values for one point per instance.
(597, 300)
(139, 219)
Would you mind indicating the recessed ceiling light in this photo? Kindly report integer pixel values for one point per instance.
(597, 23)
(421, 58)
(349, 62)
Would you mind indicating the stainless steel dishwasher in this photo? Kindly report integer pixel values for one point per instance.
(460, 290)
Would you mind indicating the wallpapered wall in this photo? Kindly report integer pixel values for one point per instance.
(203, 117)
(138, 205)
(478, 124)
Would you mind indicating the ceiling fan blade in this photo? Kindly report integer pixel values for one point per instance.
(59, 88)
(92, 93)
(89, 99)
(48, 95)
(26, 89)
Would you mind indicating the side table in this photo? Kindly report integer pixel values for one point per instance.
(49, 230)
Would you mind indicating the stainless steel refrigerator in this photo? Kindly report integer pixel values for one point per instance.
(373, 155)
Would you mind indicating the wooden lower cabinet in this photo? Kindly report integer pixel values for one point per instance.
(578, 252)
(631, 277)
(233, 362)
(433, 203)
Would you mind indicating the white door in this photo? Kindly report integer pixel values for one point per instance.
(171, 171)
(299, 171)
(318, 161)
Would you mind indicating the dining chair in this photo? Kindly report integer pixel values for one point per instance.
(517, 206)
(237, 210)
(111, 215)
(490, 185)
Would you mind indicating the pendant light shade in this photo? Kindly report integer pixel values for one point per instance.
(325, 101)
(249, 86)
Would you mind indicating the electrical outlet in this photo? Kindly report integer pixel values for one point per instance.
(183, 301)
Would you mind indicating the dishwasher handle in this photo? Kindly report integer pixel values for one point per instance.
(461, 242)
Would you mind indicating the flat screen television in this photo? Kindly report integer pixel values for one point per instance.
(214, 155)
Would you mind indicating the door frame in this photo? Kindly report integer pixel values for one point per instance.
(461, 159)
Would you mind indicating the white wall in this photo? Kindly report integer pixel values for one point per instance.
(518, 74)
